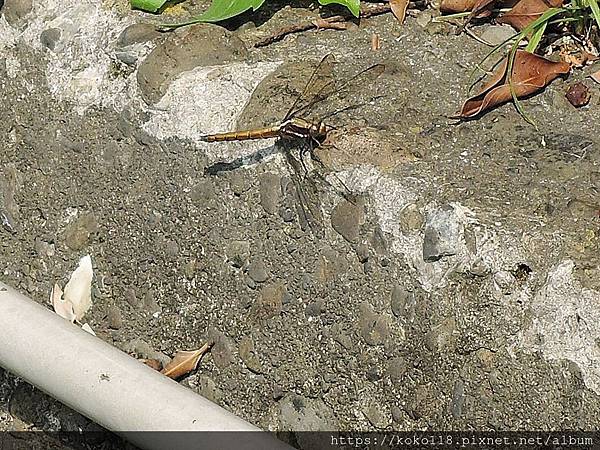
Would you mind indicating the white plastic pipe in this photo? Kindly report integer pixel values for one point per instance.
(108, 386)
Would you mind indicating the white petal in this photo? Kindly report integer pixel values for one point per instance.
(63, 308)
(78, 290)
(87, 328)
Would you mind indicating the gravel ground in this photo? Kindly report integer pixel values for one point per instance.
(456, 288)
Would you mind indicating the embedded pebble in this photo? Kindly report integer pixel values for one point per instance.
(221, 351)
(441, 336)
(78, 232)
(50, 37)
(203, 193)
(270, 192)
(239, 183)
(257, 271)
(44, 249)
(207, 388)
(136, 34)
(396, 369)
(238, 253)
(314, 309)
(269, 302)
(302, 413)
(340, 336)
(249, 356)
(442, 234)
(411, 219)
(16, 10)
(377, 415)
(497, 34)
(505, 281)
(190, 268)
(115, 319)
(458, 399)
(171, 248)
(132, 298)
(346, 219)
(141, 349)
(150, 303)
(403, 303)
(362, 252)
(374, 328)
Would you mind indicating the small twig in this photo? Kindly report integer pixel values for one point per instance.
(333, 22)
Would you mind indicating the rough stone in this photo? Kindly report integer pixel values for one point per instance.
(249, 356)
(441, 337)
(403, 303)
(115, 319)
(442, 234)
(269, 302)
(270, 192)
(50, 37)
(136, 34)
(14, 11)
(184, 49)
(304, 414)
(79, 230)
(238, 253)
(374, 328)
(346, 219)
(257, 271)
(221, 351)
(396, 369)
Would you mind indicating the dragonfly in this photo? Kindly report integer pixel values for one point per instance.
(299, 125)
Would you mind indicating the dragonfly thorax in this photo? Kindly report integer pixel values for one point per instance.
(300, 128)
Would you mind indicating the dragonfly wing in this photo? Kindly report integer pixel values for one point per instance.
(319, 84)
(348, 94)
(308, 205)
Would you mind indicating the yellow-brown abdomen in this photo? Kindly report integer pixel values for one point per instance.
(259, 133)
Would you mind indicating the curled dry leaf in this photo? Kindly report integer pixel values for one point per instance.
(184, 362)
(479, 8)
(527, 11)
(596, 76)
(63, 308)
(153, 364)
(78, 290)
(530, 74)
(399, 8)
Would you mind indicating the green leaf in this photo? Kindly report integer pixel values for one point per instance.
(226, 9)
(595, 10)
(148, 5)
(352, 5)
(536, 37)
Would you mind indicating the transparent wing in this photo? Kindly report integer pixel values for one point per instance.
(319, 83)
(331, 99)
(308, 204)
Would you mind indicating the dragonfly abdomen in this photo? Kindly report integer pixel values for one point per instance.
(259, 133)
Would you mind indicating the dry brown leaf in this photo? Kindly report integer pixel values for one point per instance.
(457, 6)
(479, 8)
(153, 364)
(596, 76)
(399, 8)
(184, 362)
(527, 11)
(530, 74)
